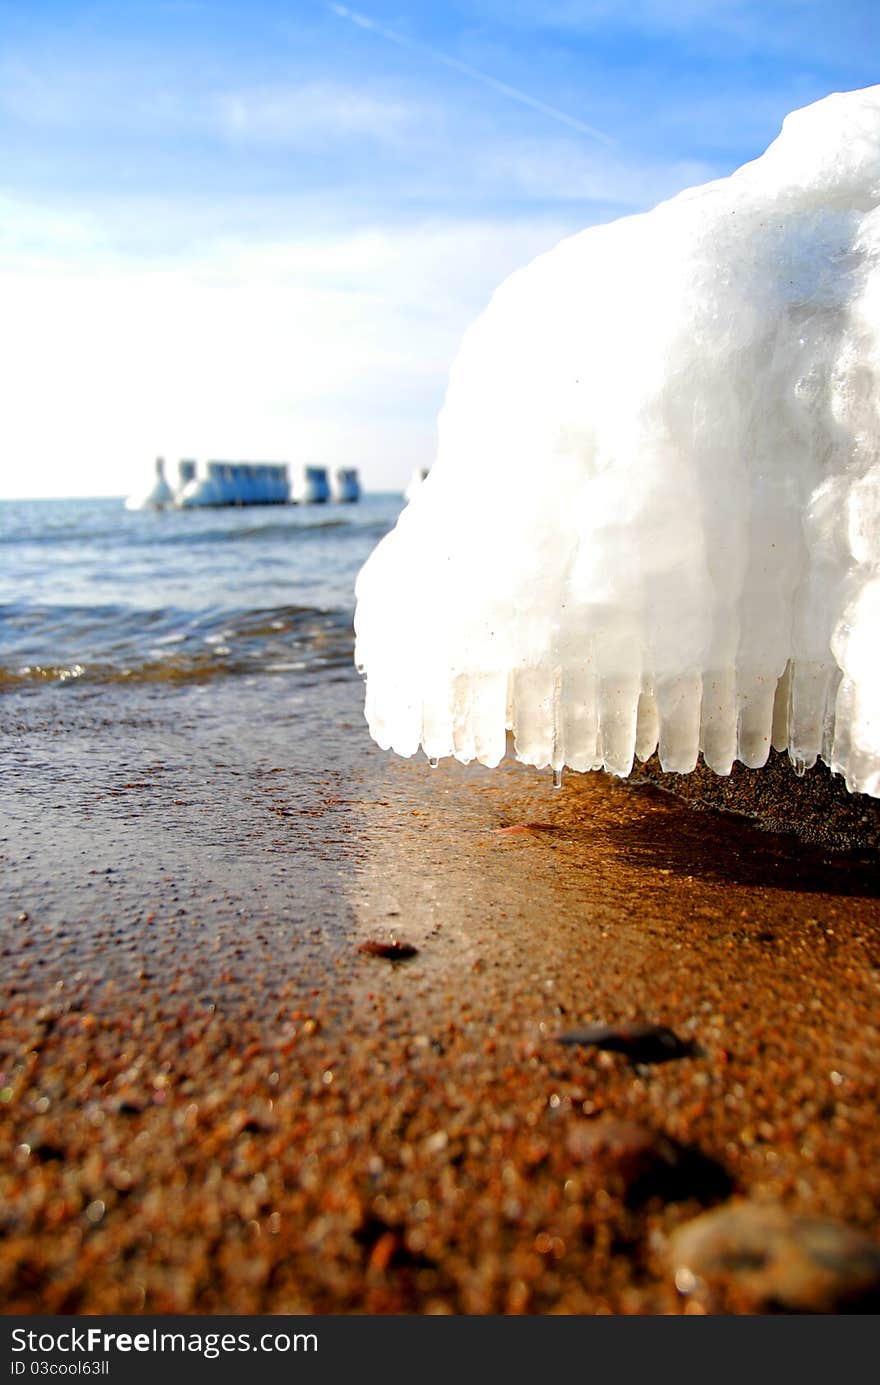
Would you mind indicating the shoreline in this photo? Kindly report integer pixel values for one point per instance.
(213, 1101)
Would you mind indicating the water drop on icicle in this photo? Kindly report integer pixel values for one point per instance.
(557, 779)
(433, 762)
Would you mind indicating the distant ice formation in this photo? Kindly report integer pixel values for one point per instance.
(202, 483)
(654, 518)
(309, 485)
(344, 484)
(158, 496)
(186, 470)
(233, 483)
(202, 489)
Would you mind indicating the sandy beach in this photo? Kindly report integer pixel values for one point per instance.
(213, 1100)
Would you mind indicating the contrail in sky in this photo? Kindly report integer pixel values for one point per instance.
(512, 93)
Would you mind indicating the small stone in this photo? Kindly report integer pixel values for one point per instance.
(436, 1143)
(255, 1125)
(641, 1043)
(750, 1257)
(46, 1152)
(392, 950)
(130, 1105)
(636, 1163)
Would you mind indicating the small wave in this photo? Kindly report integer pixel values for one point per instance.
(71, 645)
(254, 533)
(298, 528)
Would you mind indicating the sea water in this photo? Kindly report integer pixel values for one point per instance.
(92, 594)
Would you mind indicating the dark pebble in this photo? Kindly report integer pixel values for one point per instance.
(641, 1043)
(393, 951)
(757, 1258)
(47, 1153)
(255, 1126)
(636, 1163)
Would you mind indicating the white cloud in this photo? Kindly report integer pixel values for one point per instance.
(292, 115)
(120, 97)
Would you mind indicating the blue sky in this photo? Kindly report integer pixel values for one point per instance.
(258, 230)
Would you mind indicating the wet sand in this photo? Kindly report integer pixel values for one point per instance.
(212, 1100)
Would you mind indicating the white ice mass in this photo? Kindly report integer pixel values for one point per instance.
(654, 516)
(157, 495)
